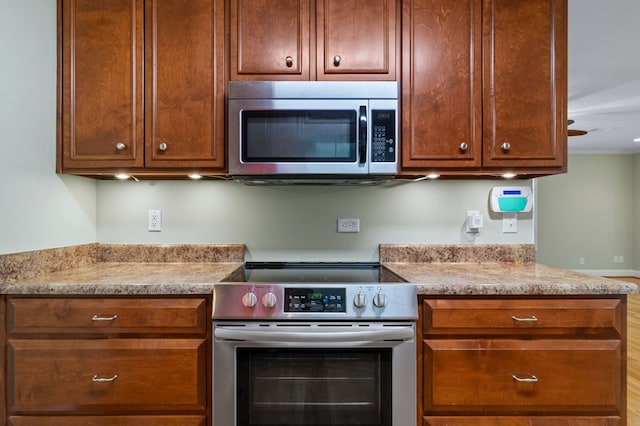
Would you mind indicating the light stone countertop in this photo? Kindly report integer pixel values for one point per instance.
(127, 279)
(469, 270)
(495, 278)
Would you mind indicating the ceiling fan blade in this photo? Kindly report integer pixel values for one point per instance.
(575, 132)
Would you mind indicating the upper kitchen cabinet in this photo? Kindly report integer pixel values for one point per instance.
(356, 39)
(100, 85)
(184, 125)
(484, 86)
(141, 86)
(313, 40)
(269, 39)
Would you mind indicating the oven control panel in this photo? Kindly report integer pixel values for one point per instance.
(314, 301)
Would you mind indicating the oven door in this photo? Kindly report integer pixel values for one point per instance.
(314, 374)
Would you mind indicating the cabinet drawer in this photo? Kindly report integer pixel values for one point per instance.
(106, 316)
(532, 316)
(107, 420)
(120, 375)
(522, 376)
(522, 421)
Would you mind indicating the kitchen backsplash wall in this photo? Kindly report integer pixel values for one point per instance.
(299, 222)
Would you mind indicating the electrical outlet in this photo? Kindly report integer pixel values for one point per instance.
(581, 260)
(618, 259)
(155, 221)
(348, 225)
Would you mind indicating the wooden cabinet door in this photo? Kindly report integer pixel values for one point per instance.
(3, 398)
(107, 420)
(522, 421)
(269, 39)
(101, 84)
(525, 86)
(356, 39)
(441, 91)
(499, 376)
(77, 316)
(106, 375)
(184, 124)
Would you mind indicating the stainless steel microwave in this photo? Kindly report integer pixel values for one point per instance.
(316, 129)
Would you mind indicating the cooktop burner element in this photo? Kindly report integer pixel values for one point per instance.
(292, 272)
(350, 291)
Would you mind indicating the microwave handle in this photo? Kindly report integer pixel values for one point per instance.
(362, 141)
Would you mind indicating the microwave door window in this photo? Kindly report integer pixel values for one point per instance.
(299, 136)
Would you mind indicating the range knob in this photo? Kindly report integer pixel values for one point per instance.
(360, 300)
(380, 300)
(249, 299)
(269, 300)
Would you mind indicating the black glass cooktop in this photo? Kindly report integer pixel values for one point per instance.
(300, 272)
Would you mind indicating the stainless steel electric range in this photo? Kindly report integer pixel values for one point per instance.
(323, 344)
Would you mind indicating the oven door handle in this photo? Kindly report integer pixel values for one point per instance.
(314, 336)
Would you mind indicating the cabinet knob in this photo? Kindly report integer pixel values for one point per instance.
(336, 61)
(464, 146)
(289, 61)
(120, 146)
(162, 146)
(506, 146)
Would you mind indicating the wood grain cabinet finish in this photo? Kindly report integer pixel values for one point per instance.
(313, 39)
(269, 40)
(121, 359)
(3, 351)
(356, 39)
(555, 360)
(141, 86)
(484, 86)
(101, 83)
(38, 316)
(184, 122)
(107, 421)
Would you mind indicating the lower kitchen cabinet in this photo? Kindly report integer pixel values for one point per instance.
(3, 381)
(108, 361)
(525, 361)
(107, 420)
(522, 421)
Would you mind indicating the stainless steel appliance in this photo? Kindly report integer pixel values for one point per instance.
(318, 129)
(326, 345)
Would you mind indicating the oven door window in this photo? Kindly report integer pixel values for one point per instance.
(299, 136)
(336, 387)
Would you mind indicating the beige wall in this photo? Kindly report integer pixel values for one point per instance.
(299, 223)
(636, 213)
(38, 209)
(588, 213)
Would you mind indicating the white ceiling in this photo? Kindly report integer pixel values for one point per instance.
(604, 75)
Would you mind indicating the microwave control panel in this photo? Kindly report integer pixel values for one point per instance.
(383, 142)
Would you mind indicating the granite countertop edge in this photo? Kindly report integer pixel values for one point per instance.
(505, 279)
(438, 279)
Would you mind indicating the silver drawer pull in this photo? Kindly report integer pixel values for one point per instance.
(532, 318)
(97, 318)
(98, 379)
(531, 379)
